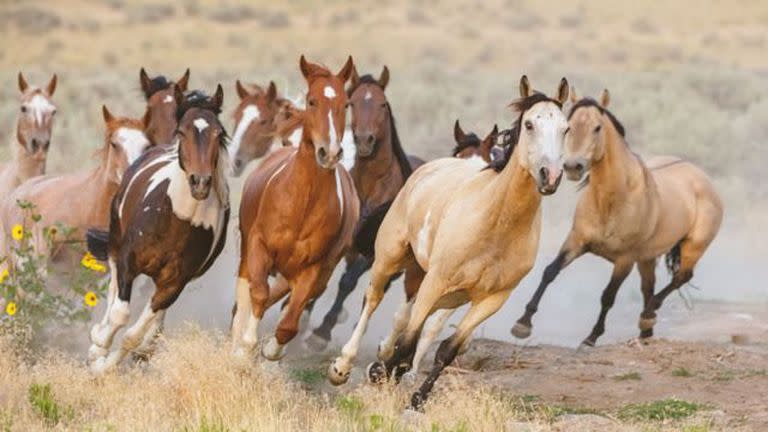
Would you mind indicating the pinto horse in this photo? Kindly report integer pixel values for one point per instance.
(297, 217)
(168, 221)
(80, 200)
(380, 169)
(455, 221)
(161, 105)
(33, 135)
(469, 145)
(630, 212)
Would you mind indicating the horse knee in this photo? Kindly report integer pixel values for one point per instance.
(119, 313)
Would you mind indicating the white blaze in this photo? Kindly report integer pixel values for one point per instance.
(368, 95)
(168, 99)
(39, 107)
(133, 142)
(329, 92)
(250, 113)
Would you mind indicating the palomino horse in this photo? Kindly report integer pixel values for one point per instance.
(161, 105)
(380, 169)
(630, 212)
(33, 135)
(454, 222)
(168, 221)
(254, 124)
(297, 217)
(469, 145)
(81, 200)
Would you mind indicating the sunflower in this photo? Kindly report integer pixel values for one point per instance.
(90, 299)
(88, 260)
(99, 267)
(17, 232)
(4, 275)
(10, 309)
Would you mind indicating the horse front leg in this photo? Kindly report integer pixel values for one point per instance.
(117, 313)
(621, 270)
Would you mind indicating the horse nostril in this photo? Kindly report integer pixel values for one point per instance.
(544, 174)
(194, 179)
(321, 152)
(341, 150)
(371, 139)
(47, 144)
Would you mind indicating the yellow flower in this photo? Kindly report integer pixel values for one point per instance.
(18, 232)
(4, 275)
(90, 299)
(99, 267)
(90, 262)
(10, 309)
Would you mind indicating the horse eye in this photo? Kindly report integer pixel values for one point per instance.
(384, 105)
(53, 113)
(349, 105)
(311, 102)
(528, 125)
(23, 109)
(568, 129)
(114, 144)
(597, 128)
(263, 121)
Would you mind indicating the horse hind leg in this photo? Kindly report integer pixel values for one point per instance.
(620, 272)
(431, 332)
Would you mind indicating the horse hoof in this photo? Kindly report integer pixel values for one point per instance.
(521, 331)
(409, 378)
(96, 352)
(376, 373)
(646, 334)
(412, 417)
(316, 342)
(337, 375)
(384, 352)
(647, 323)
(586, 346)
(343, 316)
(272, 350)
(101, 366)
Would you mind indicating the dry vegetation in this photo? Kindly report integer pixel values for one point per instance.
(696, 87)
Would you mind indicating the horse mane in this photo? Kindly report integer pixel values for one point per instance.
(470, 140)
(196, 99)
(589, 102)
(521, 106)
(157, 84)
(397, 147)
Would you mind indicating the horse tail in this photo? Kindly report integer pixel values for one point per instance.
(672, 259)
(98, 242)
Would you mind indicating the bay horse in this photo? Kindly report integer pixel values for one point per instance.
(255, 126)
(297, 217)
(161, 105)
(168, 221)
(453, 223)
(380, 169)
(630, 212)
(469, 145)
(80, 200)
(33, 135)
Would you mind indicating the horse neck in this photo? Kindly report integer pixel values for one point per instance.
(615, 174)
(305, 164)
(514, 200)
(378, 178)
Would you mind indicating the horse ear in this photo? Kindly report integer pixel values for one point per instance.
(346, 70)
(605, 98)
(23, 86)
(304, 66)
(241, 90)
(271, 92)
(183, 81)
(494, 133)
(562, 91)
(525, 87)
(354, 80)
(145, 120)
(108, 117)
(572, 95)
(218, 97)
(178, 94)
(146, 83)
(51, 88)
(384, 78)
(458, 134)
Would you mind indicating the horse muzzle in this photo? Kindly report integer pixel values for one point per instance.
(200, 186)
(575, 169)
(549, 179)
(326, 159)
(365, 145)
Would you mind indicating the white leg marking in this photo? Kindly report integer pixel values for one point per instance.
(132, 338)
(387, 346)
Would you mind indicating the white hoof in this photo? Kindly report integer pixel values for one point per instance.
(338, 371)
(96, 352)
(272, 350)
(409, 378)
(101, 366)
(99, 335)
(412, 418)
(521, 331)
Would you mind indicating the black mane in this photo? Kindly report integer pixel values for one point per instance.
(157, 84)
(589, 102)
(521, 105)
(196, 99)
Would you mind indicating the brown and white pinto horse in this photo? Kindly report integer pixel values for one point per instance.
(455, 221)
(161, 105)
(297, 217)
(33, 135)
(255, 126)
(168, 221)
(469, 145)
(630, 212)
(80, 200)
(380, 169)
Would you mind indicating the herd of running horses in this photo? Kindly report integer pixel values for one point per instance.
(459, 230)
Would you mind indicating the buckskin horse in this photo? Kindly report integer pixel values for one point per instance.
(630, 212)
(453, 223)
(297, 217)
(168, 221)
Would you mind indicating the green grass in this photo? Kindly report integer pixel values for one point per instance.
(208, 426)
(682, 372)
(667, 409)
(307, 376)
(41, 398)
(350, 405)
(629, 376)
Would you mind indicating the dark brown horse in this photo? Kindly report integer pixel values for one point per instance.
(469, 145)
(161, 105)
(168, 221)
(297, 217)
(380, 169)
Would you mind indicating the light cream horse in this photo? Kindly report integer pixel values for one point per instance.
(33, 135)
(630, 212)
(471, 233)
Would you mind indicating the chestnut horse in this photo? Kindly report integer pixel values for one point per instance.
(33, 135)
(453, 222)
(161, 105)
(80, 200)
(297, 217)
(469, 145)
(168, 221)
(380, 169)
(630, 212)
